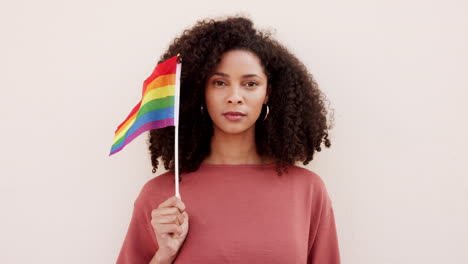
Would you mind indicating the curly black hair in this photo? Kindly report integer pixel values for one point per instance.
(297, 120)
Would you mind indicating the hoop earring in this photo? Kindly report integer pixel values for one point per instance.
(268, 110)
(201, 109)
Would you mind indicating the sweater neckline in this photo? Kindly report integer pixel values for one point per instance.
(208, 165)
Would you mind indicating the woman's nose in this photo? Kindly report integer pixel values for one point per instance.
(234, 95)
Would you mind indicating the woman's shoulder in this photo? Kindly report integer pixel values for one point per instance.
(312, 184)
(156, 190)
(307, 176)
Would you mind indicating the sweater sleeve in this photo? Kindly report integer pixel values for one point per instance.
(140, 244)
(324, 244)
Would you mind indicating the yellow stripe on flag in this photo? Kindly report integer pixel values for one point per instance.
(160, 81)
(158, 93)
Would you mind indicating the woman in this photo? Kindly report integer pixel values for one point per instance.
(249, 111)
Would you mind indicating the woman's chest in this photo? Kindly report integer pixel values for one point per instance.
(235, 225)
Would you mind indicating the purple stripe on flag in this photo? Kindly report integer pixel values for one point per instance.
(145, 127)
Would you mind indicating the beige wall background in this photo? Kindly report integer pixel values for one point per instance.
(394, 71)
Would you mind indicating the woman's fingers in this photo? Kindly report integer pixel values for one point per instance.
(170, 223)
(165, 211)
(169, 216)
(173, 201)
(167, 228)
(168, 211)
(169, 219)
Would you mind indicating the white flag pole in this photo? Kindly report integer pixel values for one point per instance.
(176, 125)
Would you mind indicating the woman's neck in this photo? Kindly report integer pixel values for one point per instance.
(234, 149)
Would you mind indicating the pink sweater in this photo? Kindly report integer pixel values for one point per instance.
(240, 214)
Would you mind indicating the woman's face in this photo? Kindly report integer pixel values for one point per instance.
(237, 84)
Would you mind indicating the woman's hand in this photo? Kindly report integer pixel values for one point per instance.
(171, 224)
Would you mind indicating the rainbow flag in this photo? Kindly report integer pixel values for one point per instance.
(156, 107)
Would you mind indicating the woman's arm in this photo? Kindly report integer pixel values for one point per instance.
(139, 246)
(324, 241)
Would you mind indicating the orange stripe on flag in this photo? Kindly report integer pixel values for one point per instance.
(160, 81)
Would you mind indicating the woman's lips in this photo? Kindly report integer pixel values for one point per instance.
(231, 117)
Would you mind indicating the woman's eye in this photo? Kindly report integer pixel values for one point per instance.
(251, 84)
(218, 83)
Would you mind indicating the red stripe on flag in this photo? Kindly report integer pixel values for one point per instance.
(166, 67)
(134, 111)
